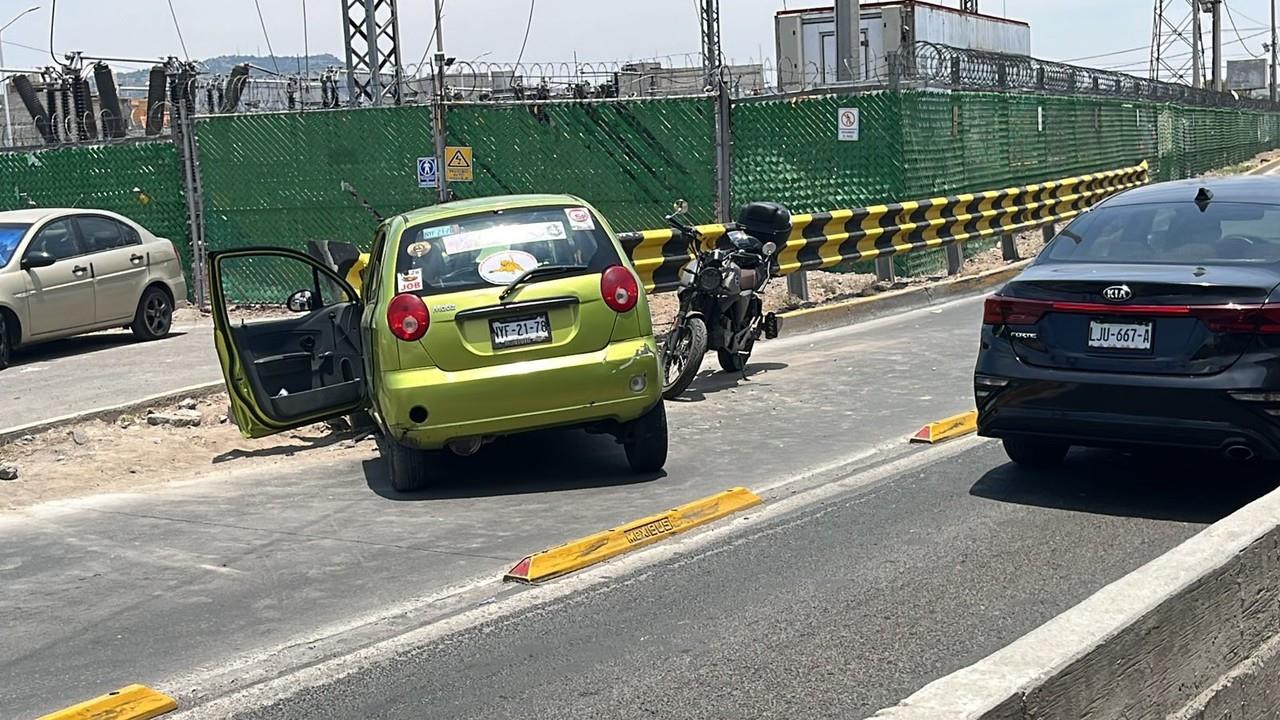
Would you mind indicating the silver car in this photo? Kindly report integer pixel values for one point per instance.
(68, 271)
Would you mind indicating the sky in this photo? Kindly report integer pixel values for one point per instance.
(590, 30)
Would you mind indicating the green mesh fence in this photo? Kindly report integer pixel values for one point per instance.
(276, 179)
(142, 181)
(630, 158)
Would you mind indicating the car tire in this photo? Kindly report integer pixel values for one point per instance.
(646, 442)
(1035, 453)
(154, 316)
(407, 468)
(6, 347)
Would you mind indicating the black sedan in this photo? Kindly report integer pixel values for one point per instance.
(1153, 319)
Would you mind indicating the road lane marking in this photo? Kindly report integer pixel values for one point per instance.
(132, 702)
(598, 547)
(245, 695)
(948, 428)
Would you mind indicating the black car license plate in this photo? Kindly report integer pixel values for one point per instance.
(514, 332)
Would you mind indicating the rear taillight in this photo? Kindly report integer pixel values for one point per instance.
(619, 289)
(1264, 320)
(407, 317)
(1000, 310)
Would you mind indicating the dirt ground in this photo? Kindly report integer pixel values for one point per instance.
(99, 456)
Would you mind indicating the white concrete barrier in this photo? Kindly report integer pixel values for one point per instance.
(1191, 635)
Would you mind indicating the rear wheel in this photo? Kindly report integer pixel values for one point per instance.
(682, 356)
(6, 347)
(734, 362)
(407, 468)
(154, 316)
(1036, 453)
(646, 442)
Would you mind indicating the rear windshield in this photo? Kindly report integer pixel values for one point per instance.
(1179, 232)
(493, 248)
(10, 235)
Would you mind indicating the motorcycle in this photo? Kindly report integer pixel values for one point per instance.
(721, 293)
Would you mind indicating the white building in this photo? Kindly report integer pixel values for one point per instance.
(806, 39)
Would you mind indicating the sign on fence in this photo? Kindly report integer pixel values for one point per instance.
(457, 164)
(428, 172)
(847, 122)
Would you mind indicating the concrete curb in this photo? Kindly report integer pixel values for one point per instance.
(826, 317)
(1191, 631)
(1265, 168)
(112, 412)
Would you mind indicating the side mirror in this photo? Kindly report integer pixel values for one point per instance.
(301, 301)
(769, 249)
(680, 206)
(37, 259)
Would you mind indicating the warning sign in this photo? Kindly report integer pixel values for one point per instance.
(847, 122)
(457, 164)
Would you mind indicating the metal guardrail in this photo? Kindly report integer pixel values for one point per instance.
(823, 240)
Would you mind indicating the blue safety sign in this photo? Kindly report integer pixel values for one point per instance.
(428, 172)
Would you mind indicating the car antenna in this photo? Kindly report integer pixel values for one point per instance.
(364, 203)
(1203, 197)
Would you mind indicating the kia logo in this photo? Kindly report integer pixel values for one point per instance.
(1118, 293)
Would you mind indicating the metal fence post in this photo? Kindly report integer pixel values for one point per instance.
(955, 258)
(1048, 231)
(884, 269)
(1009, 247)
(184, 137)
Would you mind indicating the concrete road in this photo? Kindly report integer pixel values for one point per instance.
(212, 585)
(834, 609)
(101, 370)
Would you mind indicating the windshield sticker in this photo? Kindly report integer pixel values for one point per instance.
(409, 281)
(580, 219)
(438, 232)
(504, 235)
(419, 249)
(504, 267)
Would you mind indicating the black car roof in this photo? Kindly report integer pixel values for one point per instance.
(1240, 188)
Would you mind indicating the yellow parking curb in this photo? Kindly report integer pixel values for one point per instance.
(601, 546)
(946, 429)
(132, 702)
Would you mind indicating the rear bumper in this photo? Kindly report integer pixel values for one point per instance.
(1114, 410)
(519, 397)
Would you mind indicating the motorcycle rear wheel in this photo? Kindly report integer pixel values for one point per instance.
(682, 356)
(733, 362)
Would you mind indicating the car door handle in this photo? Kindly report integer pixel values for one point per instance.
(79, 270)
(136, 258)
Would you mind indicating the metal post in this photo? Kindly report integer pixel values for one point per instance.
(848, 40)
(1197, 52)
(185, 140)
(715, 81)
(955, 258)
(798, 285)
(1218, 84)
(439, 129)
(8, 119)
(884, 269)
(1049, 231)
(1009, 247)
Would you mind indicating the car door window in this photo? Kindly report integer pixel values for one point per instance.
(100, 234)
(59, 239)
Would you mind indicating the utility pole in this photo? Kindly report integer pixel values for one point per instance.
(439, 108)
(848, 40)
(1273, 50)
(1218, 84)
(1197, 49)
(715, 82)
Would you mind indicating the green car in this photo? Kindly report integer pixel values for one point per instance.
(480, 318)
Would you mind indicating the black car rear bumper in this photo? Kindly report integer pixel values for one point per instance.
(1115, 410)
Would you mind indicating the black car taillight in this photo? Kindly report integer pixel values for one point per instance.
(1001, 310)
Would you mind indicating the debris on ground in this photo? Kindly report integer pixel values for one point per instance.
(8, 472)
(79, 437)
(188, 404)
(175, 418)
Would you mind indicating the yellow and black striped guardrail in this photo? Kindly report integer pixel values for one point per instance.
(823, 240)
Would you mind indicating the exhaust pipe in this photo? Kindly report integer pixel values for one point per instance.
(1238, 452)
(466, 447)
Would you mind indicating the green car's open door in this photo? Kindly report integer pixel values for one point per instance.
(287, 331)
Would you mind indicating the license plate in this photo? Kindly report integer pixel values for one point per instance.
(513, 332)
(1120, 336)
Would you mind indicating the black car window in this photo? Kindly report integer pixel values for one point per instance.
(1223, 232)
(100, 234)
(492, 248)
(58, 238)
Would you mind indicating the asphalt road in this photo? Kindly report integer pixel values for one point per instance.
(48, 381)
(834, 610)
(210, 585)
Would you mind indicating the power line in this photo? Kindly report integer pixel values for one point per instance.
(1232, 19)
(178, 28)
(53, 17)
(267, 37)
(430, 40)
(527, 26)
(306, 51)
